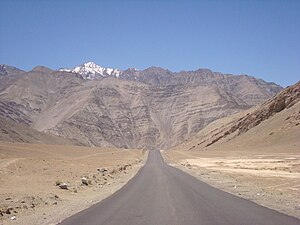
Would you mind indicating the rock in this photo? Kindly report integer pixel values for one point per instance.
(113, 171)
(102, 170)
(111, 176)
(84, 181)
(58, 182)
(8, 211)
(279, 105)
(63, 186)
(127, 165)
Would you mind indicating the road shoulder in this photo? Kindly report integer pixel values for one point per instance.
(268, 180)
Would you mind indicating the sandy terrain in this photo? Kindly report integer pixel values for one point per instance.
(271, 179)
(29, 174)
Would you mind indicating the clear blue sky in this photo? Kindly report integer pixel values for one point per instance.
(259, 38)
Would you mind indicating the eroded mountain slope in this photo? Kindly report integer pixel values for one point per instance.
(14, 132)
(156, 110)
(274, 123)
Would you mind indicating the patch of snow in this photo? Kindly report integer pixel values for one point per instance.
(65, 70)
(109, 71)
(91, 71)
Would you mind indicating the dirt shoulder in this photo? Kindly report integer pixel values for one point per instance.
(271, 179)
(30, 175)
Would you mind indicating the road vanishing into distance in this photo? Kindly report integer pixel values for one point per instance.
(163, 195)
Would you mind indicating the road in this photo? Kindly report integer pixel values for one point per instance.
(163, 195)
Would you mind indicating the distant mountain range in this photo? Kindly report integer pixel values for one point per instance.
(151, 108)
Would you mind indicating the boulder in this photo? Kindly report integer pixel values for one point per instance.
(84, 181)
(8, 211)
(63, 186)
(102, 170)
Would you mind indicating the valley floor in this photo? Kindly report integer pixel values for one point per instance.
(29, 174)
(269, 178)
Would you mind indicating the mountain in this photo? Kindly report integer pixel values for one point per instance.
(42, 69)
(7, 70)
(15, 132)
(273, 124)
(93, 71)
(246, 88)
(152, 108)
(251, 90)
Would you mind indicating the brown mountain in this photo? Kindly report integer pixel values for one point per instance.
(9, 70)
(153, 108)
(274, 124)
(14, 132)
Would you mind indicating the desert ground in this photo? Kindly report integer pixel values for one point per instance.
(30, 175)
(269, 179)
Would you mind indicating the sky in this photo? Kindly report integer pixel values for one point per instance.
(259, 38)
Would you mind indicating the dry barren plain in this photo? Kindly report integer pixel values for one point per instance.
(271, 179)
(30, 174)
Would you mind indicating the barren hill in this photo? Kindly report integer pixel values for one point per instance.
(11, 131)
(275, 123)
(153, 108)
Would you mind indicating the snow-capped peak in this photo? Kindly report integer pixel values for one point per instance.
(91, 70)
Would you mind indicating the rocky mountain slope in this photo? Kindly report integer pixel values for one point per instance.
(14, 132)
(249, 89)
(9, 70)
(152, 108)
(275, 123)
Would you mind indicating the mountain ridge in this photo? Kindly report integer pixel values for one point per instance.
(151, 109)
(93, 68)
(274, 119)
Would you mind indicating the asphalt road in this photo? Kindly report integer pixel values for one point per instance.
(163, 195)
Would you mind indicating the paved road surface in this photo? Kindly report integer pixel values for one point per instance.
(163, 195)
